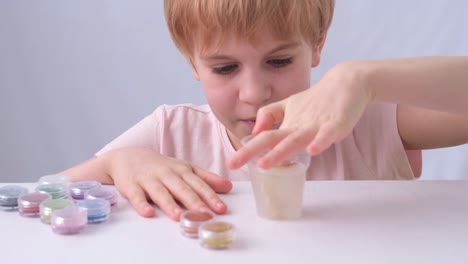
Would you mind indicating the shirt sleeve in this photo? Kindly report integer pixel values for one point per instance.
(377, 138)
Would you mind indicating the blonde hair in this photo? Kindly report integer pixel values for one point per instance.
(201, 22)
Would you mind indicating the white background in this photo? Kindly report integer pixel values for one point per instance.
(75, 74)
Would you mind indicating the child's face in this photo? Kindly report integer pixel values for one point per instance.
(239, 77)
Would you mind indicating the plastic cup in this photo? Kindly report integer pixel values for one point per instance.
(279, 190)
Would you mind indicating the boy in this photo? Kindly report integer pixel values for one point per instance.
(253, 60)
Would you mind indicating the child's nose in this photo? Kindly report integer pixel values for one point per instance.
(254, 88)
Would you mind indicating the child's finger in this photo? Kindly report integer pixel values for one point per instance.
(268, 116)
(161, 196)
(294, 142)
(256, 146)
(205, 192)
(183, 192)
(137, 198)
(218, 183)
(326, 136)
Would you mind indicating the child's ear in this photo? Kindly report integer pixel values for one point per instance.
(317, 50)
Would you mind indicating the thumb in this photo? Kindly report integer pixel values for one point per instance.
(217, 183)
(268, 116)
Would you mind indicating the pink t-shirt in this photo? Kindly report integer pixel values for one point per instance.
(373, 151)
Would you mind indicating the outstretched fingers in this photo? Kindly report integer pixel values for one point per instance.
(137, 198)
(292, 143)
(163, 198)
(217, 183)
(258, 145)
(327, 135)
(183, 192)
(205, 192)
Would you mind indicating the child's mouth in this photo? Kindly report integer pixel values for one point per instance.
(250, 123)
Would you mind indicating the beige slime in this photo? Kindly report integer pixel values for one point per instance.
(278, 191)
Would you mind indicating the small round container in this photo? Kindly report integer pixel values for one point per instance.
(216, 234)
(78, 189)
(28, 204)
(57, 191)
(54, 179)
(98, 209)
(69, 220)
(48, 206)
(9, 195)
(191, 220)
(102, 193)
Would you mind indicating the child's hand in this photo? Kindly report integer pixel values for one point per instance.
(313, 119)
(141, 174)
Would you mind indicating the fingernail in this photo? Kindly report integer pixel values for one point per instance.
(219, 205)
(146, 207)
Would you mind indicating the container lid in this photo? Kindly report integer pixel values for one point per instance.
(103, 193)
(79, 188)
(71, 216)
(9, 194)
(54, 189)
(216, 234)
(194, 218)
(33, 199)
(215, 228)
(54, 179)
(55, 204)
(95, 207)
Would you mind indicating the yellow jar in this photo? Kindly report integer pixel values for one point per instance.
(216, 234)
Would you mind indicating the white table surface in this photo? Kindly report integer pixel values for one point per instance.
(343, 222)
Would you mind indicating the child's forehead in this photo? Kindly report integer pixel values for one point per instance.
(217, 42)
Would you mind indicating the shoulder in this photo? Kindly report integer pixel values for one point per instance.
(183, 117)
(183, 110)
(188, 108)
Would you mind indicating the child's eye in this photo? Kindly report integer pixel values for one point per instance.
(225, 69)
(280, 62)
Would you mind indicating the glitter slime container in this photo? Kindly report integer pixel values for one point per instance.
(55, 190)
(78, 189)
(69, 220)
(9, 195)
(48, 206)
(28, 204)
(216, 234)
(278, 191)
(98, 209)
(191, 220)
(103, 193)
(54, 179)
